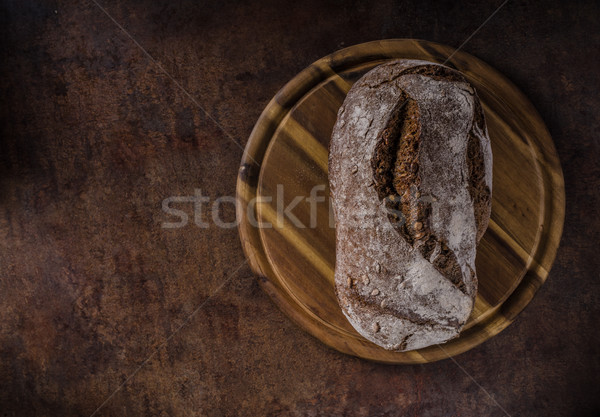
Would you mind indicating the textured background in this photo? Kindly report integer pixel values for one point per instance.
(94, 135)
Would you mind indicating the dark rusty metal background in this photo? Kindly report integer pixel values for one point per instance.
(94, 135)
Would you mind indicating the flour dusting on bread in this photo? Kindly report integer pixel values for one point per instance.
(410, 174)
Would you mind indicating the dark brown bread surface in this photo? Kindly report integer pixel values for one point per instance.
(410, 173)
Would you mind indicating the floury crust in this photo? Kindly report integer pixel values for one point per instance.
(392, 293)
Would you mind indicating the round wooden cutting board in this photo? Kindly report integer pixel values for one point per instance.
(288, 234)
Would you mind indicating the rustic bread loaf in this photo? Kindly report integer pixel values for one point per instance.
(410, 172)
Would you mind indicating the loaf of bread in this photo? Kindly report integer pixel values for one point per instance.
(410, 173)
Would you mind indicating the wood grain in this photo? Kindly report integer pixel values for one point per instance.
(287, 151)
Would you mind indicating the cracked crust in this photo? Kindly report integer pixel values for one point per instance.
(410, 174)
